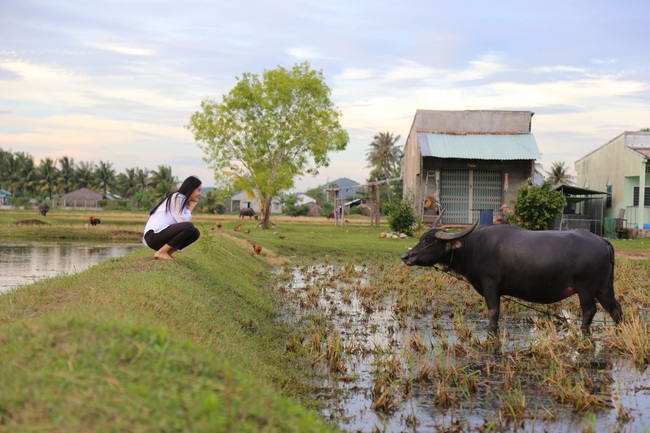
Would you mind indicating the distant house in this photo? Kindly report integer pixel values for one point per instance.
(242, 200)
(467, 161)
(4, 195)
(304, 199)
(81, 198)
(620, 167)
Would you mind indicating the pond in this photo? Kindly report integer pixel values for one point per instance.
(391, 361)
(25, 262)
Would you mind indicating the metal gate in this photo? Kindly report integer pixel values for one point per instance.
(464, 193)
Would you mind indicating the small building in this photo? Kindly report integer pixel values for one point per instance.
(620, 167)
(466, 162)
(4, 196)
(242, 200)
(304, 199)
(314, 209)
(82, 198)
(584, 209)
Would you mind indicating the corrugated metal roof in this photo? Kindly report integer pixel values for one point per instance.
(479, 146)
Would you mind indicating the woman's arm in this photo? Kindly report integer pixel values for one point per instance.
(191, 204)
(179, 213)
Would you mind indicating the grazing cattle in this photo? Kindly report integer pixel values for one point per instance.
(94, 221)
(246, 212)
(43, 208)
(535, 266)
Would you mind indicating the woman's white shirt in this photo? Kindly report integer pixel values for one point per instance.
(161, 219)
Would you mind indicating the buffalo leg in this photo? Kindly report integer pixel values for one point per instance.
(588, 307)
(493, 305)
(611, 305)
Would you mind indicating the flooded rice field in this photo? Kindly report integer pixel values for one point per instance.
(25, 262)
(402, 349)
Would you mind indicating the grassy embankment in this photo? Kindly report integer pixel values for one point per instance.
(135, 344)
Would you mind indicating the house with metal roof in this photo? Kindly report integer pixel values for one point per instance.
(620, 167)
(467, 161)
(4, 195)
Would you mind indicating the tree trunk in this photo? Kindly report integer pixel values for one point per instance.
(266, 212)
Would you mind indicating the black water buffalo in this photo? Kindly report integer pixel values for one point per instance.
(535, 266)
(246, 212)
(43, 208)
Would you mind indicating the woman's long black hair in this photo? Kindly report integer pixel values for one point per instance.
(187, 188)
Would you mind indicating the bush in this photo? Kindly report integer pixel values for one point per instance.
(537, 207)
(356, 210)
(401, 218)
(328, 208)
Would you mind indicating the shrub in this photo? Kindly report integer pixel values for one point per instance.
(401, 218)
(328, 208)
(537, 206)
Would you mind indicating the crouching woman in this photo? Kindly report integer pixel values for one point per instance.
(169, 228)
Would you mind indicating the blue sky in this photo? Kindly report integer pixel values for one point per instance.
(117, 80)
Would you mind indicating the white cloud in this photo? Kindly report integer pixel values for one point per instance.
(355, 74)
(121, 48)
(479, 69)
(304, 53)
(409, 70)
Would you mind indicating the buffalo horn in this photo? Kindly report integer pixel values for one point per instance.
(437, 220)
(444, 236)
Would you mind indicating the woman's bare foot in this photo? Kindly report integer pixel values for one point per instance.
(163, 256)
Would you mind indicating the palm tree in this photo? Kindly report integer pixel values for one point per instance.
(10, 171)
(142, 178)
(26, 179)
(560, 174)
(134, 180)
(162, 181)
(104, 177)
(4, 172)
(48, 175)
(66, 175)
(384, 156)
(83, 174)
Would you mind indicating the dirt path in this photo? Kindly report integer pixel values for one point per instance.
(633, 254)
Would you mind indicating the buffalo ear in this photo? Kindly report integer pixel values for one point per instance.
(452, 245)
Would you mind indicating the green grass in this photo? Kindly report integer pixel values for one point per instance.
(631, 245)
(139, 345)
(134, 345)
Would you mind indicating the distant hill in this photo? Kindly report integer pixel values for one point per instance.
(342, 182)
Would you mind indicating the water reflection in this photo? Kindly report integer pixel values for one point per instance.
(26, 262)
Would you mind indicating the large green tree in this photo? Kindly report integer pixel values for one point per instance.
(267, 130)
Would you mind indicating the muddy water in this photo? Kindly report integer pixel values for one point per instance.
(24, 263)
(376, 383)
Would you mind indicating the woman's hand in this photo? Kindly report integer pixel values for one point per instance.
(191, 204)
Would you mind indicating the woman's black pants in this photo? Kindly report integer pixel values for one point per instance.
(177, 236)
